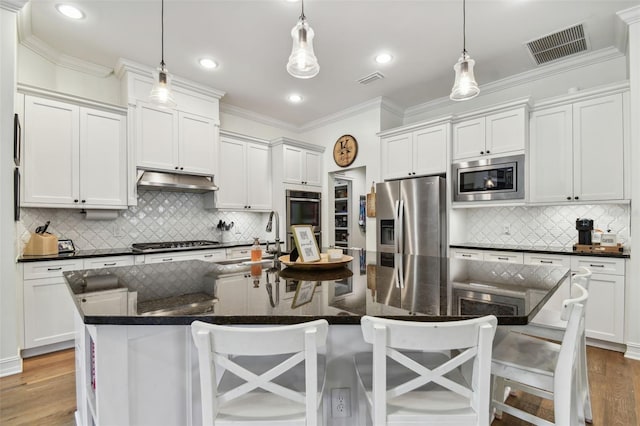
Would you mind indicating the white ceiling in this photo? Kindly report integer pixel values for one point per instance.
(251, 41)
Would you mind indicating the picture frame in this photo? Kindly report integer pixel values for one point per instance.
(304, 293)
(17, 139)
(305, 243)
(66, 246)
(16, 194)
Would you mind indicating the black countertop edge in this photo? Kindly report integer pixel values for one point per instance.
(559, 250)
(279, 320)
(85, 254)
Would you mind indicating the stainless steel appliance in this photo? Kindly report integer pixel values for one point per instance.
(303, 208)
(411, 216)
(489, 179)
(173, 245)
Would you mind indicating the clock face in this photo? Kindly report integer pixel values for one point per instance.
(345, 150)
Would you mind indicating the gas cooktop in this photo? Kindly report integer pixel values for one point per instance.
(173, 245)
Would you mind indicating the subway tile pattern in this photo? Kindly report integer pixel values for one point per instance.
(159, 216)
(544, 226)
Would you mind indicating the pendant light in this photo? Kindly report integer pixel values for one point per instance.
(465, 86)
(161, 91)
(302, 62)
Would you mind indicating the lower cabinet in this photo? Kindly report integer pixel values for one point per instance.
(108, 302)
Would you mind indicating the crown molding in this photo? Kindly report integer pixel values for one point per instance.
(447, 119)
(349, 112)
(299, 144)
(124, 66)
(259, 118)
(65, 97)
(12, 5)
(245, 138)
(630, 16)
(544, 71)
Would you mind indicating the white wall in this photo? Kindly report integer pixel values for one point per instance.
(10, 361)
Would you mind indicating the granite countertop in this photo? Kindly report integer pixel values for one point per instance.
(83, 254)
(537, 249)
(419, 288)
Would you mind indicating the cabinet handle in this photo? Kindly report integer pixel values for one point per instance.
(181, 168)
(84, 300)
(110, 264)
(596, 266)
(208, 255)
(481, 152)
(84, 201)
(75, 201)
(176, 167)
(409, 174)
(576, 198)
(465, 255)
(546, 261)
(568, 198)
(488, 152)
(503, 258)
(168, 259)
(59, 268)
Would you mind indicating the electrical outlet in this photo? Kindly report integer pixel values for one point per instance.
(118, 232)
(341, 402)
(506, 229)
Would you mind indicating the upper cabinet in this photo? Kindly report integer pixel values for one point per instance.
(297, 162)
(75, 155)
(172, 140)
(413, 152)
(492, 134)
(577, 151)
(244, 177)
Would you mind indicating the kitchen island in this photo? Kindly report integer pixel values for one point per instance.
(136, 363)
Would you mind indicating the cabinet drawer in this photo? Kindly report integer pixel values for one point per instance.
(53, 268)
(468, 254)
(165, 257)
(108, 262)
(547, 259)
(503, 256)
(211, 255)
(599, 265)
(239, 253)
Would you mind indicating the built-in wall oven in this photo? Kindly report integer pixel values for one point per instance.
(303, 208)
(499, 178)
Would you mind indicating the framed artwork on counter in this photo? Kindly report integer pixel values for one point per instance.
(306, 243)
(304, 293)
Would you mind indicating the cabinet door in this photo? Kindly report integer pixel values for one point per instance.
(231, 292)
(103, 159)
(156, 138)
(104, 302)
(51, 171)
(312, 168)
(292, 157)
(258, 177)
(48, 312)
(469, 139)
(232, 175)
(551, 155)
(430, 150)
(506, 131)
(197, 144)
(605, 308)
(396, 158)
(598, 149)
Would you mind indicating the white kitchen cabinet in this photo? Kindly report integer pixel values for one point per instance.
(231, 291)
(206, 255)
(244, 175)
(469, 254)
(414, 153)
(107, 302)
(302, 166)
(605, 306)
(172, 140)
(498, 133)
(577, 151)
(48, 304)
(75, 156)
(487, 255)
(107, 262)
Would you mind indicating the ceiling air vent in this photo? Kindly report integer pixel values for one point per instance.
(371, 78)
(558, 45)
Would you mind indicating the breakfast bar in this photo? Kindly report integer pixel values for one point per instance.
(136, 362)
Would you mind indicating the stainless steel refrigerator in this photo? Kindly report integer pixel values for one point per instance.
(411, 216)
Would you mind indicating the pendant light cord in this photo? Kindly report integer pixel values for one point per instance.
(464, 27)
(162, 64)
(302, 14)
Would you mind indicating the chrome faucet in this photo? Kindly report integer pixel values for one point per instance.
(269, 227)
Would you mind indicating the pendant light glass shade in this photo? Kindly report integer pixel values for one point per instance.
(465, 86)
(302, 61)
(161, 91)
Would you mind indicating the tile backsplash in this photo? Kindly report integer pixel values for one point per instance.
(546, 226)
(159, 216)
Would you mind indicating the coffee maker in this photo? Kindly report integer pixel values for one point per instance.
(584, 227)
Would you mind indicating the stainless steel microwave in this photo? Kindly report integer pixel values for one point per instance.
(500, 178)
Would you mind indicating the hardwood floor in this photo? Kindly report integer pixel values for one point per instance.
(44, 394)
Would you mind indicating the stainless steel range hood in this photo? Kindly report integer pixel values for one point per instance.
(164, 181)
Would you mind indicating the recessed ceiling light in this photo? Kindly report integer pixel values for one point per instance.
(295, 98)
(208, 63)
(383, 58)
(70, 11)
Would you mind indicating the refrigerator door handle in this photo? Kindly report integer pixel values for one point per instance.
(400, 228)
(396, 223)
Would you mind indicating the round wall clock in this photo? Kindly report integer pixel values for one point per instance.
(345, 150)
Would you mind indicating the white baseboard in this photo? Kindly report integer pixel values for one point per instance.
(618, 347)
(9, 366)
(633, 351)
(54, 347)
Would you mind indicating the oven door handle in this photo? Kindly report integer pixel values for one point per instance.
(311, 200)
